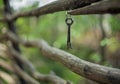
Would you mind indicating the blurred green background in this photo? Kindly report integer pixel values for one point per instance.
(85, 34)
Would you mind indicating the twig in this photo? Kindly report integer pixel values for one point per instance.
(32, 71)
(110, 7)
(6, 66)
(16, 70)
(103, 36)
(24, 75)
(7, 77)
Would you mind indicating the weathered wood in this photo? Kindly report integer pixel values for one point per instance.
(109, 7)
(95, 72)
(12, 28)
(62, 5)
(59, 5)
(33, 74)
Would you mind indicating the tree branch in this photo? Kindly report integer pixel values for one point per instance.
(6, 66)
(110, 6)
(56, 6)
(14, 55)
(12, 28)
(13, 68)
(24, 75)
(86, 69)
(103, 36)
(7, 77)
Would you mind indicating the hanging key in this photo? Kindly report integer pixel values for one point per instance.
(69, 22)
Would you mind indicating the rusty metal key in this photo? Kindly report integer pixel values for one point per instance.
(69, 22)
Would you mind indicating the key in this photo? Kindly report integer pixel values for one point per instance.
(69, 22)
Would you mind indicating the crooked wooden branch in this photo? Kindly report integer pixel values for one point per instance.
(110, 7)
(77, 7)
(33, 74)
(5, 66)
(95, 72)
(40, 77)
(56, 6)
(16, 70)
(10, 79)
(12, 28)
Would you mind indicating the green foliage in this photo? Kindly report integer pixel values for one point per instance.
(104, 42)
(114, 23)
(112, 43)
(1, 4)
(95, 58)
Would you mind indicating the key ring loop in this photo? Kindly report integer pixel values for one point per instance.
(69, 21)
